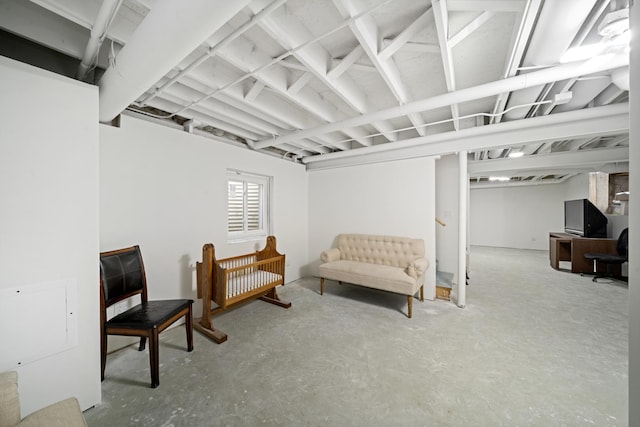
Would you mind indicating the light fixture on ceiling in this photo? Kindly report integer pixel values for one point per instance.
(499, 178)
(516, 154)
(615, 33)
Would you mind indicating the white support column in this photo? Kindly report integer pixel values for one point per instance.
(634, 224)
(463, 191)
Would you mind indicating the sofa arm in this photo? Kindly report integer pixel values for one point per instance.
(330, 255)
(9, 400)
(65, 413)
(417, 267)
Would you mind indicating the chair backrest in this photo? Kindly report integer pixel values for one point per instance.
(122, 275)
(622, 246)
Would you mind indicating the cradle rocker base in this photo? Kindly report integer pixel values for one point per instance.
(233, 281)
(205, 326)
(215, 334)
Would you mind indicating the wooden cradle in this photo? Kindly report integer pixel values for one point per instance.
(234, 280)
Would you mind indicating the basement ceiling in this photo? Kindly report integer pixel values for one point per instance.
(334, 83)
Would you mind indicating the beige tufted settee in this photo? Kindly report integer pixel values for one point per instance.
(389, 263)
(65, 413)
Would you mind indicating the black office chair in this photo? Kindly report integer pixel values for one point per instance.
(619, 258)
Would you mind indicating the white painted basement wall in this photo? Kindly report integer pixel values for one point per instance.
(395, 198)
(49, 232)
(166, 190)
(521, 217)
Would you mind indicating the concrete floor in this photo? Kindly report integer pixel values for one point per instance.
(533, 347)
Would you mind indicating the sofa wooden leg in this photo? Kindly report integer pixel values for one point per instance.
(321, 285)
(422, 293)
(410, 304)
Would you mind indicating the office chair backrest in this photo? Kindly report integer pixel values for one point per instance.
(122, 275)
(623, 242)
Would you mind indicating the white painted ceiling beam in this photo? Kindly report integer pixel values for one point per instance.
(519, 40)
(290, 33)
(52, 31)
(182, 94)
(608, 95)
(178, 29)
(484, 90)
(406, 35)
(556, 26)
(216, 45)
(366, 31)
(345, 63)
(244, 55)
(355, 66)
(416, 46)
(480, 5)
(268, 107)
(300, 83)
(541, 162)
(583, 93)
(607, 120)
(441, 17)
(81, 12)
(468, 29)
(168, 105)
(254, 91)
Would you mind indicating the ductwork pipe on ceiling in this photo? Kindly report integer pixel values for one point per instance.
(171, 31)
(510, 84)
(105, 16)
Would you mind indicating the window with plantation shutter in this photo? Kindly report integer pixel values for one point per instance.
(247, 206)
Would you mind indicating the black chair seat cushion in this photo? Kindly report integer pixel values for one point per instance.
(149, 315)
(607, 258)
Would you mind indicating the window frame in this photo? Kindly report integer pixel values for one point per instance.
(264, 206)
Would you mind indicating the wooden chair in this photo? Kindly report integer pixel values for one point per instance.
(122, 276)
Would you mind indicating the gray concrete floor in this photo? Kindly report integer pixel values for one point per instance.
(533, 347)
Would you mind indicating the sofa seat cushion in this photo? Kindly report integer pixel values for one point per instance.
(385, 277)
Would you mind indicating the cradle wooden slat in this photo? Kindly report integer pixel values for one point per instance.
(237, 279)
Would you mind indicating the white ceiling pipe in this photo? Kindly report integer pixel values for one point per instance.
(105, 16)
(536, 78)
(609, 119)
(481, 185)
(165, 37)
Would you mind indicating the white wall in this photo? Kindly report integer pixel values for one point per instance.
(516, 217)
(49, 219)
(447, 210)
(395, 198)
(522, 217)
(577, 187)
(166, 190)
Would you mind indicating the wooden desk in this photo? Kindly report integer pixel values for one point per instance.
(568, 247)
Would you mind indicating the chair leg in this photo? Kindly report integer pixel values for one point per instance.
(154, 358)
(410, 305)
(188, 321)
(143, 341)
(321, 285)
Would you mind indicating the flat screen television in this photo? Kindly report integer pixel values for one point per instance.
(582, 218)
